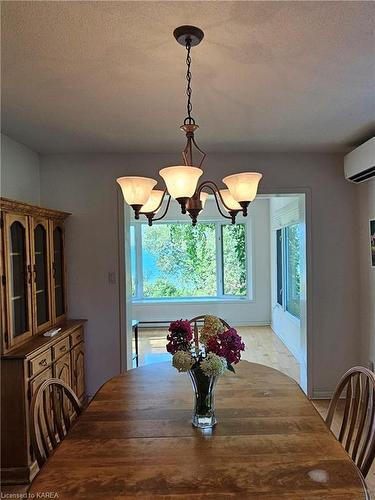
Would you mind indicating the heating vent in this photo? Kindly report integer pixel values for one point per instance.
(359, 165)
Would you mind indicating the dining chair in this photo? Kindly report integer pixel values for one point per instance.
(357, 423)
(199, 319)
(53, 408)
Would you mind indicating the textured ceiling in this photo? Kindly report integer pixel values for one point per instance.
(109, 77)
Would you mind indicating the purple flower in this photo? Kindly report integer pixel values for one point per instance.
(227, 344)
(180, 336)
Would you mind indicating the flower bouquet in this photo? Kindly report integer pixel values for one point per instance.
(205, 355)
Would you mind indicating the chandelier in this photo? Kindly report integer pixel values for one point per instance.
(182, 180)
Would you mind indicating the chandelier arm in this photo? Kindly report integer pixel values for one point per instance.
(161, 201)
(166, 208)
(215, 191)
(214, 188)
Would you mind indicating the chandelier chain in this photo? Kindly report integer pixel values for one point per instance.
(189, 119)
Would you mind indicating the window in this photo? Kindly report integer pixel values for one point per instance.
(234, 259)
(177, 260)
(288, 268)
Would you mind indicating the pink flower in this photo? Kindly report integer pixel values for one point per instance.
(227, 344)
(180, 336)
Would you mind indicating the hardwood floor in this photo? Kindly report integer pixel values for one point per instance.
(262, 346)
(265, 348)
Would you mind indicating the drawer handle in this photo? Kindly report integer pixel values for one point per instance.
(43, 362)
(63, 348)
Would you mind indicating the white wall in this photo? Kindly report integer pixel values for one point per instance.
(19, 177)
(254, 310)
(286, 210)
(366, 195)
(85, 185)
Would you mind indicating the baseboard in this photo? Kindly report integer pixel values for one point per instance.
(250, 323)
(321, 394)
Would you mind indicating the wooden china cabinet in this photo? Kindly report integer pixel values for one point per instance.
(33, 302)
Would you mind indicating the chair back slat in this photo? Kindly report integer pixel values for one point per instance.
(43, 437)
(65, 413)
(348, 404)
(357, 428)
(362, 418)
(368, 445)
(354, 410)
(48, 419)
(49, 416)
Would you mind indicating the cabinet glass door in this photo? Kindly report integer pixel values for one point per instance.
(41, 288)
(18, 278)
(58, 271)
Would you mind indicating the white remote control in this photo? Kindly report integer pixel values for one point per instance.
(52, 333)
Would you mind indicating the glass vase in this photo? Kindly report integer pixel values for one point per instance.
(204, 409)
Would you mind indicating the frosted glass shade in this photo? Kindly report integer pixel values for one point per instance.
(152, 204)
(181, 181)
(203, 197)
(136, 190)
(243, 186)
(230, 202)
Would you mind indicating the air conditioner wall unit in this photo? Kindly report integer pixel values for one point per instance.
(359, 164)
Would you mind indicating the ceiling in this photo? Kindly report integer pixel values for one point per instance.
(109, 77)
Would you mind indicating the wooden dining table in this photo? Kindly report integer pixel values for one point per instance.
(136, 440)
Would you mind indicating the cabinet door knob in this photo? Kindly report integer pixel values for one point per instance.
(43, 362)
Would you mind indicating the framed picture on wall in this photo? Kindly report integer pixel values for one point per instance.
(372, 241)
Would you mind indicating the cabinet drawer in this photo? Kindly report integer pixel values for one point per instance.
(60, 348)
(40, 362)
(76, 337)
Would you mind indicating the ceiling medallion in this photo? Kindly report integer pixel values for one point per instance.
(182, 180)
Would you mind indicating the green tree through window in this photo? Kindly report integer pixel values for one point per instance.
(234, 259)
(179, 260)
(293, 268)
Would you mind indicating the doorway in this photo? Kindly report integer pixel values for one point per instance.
(272, 314)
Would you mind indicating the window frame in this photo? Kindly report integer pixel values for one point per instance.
(220, 296)
(279, 234)
(284, 270)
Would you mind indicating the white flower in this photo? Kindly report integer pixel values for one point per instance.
(182, 361)
(213, 365)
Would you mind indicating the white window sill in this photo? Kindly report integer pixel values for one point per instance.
(195, 300)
